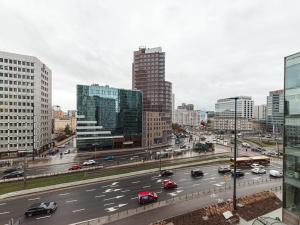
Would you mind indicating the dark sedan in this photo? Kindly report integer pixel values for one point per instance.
(197, 173)
(15, 174)
(166, 173)
(41, 208)
(239, 173)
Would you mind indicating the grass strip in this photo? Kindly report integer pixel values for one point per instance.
(84, 175)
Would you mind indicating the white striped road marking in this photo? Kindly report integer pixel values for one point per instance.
(211, 178)
(197, 184)
(134, 198)
(182, 180)
(42, 217)
(119, 196)
(4, 203)
(125, 191)
(70, 201)
(63, 194)
(135, 182)
(158, 192)
(77, 210)
(32, 199)
(99, 196)
(109, 204)
(90, 190)
(147, 186)
(4, 213)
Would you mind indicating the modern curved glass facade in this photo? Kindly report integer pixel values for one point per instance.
(291, 165)
(108, 117)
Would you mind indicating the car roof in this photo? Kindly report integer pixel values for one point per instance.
(145, 193)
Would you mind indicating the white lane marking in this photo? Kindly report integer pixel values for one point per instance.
(109, 204)
(135, 182)
(211, 178)
(158, 192)
(4, 203)
(197, 184)
(175, 193)
(114, 208)
(147, 186)
(90, 190)
(111, 190)
(99, 196)
(247, 173)
(32, 199)
(205, 174)
(182, 180)
(114, 184)
(63, 194)
(125, 191)
(42, 217)
(134, 198)
(70, 201)
(117, 197)
(77, 210)
(187, 173)
(4, 213)
(158, 181)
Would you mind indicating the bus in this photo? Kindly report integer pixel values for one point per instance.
(248, 161)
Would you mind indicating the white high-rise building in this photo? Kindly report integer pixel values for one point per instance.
(25, 104)
(225, 111)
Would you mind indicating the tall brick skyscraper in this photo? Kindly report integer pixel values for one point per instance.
(148, 75)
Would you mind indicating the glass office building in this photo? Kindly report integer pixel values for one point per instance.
(291, 164)
(108, 117)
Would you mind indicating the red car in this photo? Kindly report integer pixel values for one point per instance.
(147, 197)
(75, 167)
(168, 184)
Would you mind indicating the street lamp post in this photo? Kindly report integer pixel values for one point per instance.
(235, 154)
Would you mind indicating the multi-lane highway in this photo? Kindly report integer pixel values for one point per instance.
(94, 200)
(61, 163)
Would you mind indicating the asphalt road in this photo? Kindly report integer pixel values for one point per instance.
(63, 163)
(95, 200)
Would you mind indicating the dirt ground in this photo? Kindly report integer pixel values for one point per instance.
(249, 207)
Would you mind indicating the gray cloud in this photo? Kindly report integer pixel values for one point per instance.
(214, 49)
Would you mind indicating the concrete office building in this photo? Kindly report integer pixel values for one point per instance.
(274, 115)
(108, 118)
(25, 104)
(186, 117)
(225, 111)
(186, 106)
(173, 108)
(259, 118)
(291, 158)
(148, 76)
(259, 112)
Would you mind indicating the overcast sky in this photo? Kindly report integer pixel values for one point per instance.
(214, 49)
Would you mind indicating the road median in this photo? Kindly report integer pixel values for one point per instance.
(19, 188)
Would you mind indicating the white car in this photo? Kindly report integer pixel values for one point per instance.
(256, 165)
(275, 173)
(89, 163)
(67, 151)
(259, 171)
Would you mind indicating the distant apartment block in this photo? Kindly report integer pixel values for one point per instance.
(225, 112)
(275, 102)
(108, 118)
(148, 76)
(259, 112)
(186, 117)
(25, 104)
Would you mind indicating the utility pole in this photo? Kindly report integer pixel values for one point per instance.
(235, 154)
(33, 150)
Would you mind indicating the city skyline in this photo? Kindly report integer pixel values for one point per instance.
(198, 64)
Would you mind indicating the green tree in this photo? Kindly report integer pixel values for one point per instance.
(67, 129)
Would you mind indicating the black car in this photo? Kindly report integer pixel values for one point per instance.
(166, 173)
(15, 174)
(197, 173)
(224, 169)
(10, 170)
(239, 173)
(41, 208)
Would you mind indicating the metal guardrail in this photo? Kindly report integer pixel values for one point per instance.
(173, 200)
